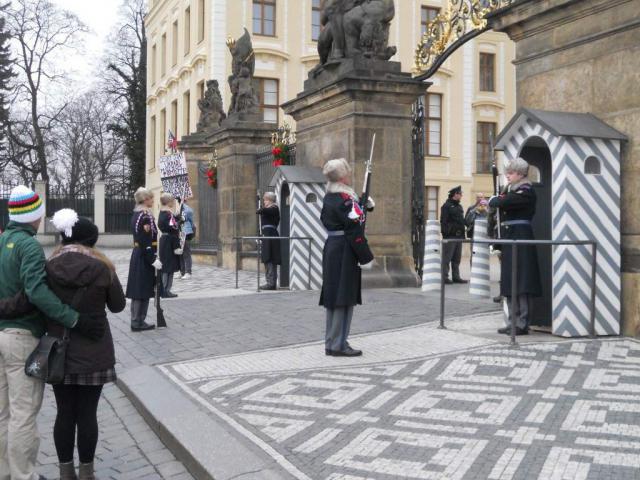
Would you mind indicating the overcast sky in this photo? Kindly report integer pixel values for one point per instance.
(100, 16)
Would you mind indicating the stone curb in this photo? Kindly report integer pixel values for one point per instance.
(204, 446)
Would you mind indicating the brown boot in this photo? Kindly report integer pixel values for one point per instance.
(86, 472)
(68, 471)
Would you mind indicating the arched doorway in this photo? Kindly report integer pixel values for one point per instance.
(536, 151)
(285, 217)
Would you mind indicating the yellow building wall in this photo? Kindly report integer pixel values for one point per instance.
(291, 53)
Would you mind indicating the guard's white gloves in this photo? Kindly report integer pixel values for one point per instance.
(178, 251)
(367, 266)
(370, 203)
(157, 264)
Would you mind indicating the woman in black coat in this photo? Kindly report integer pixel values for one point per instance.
(345, 253)
(517, 208)
(270, 249)
(85, 279)
(144, 260)
(170, 249)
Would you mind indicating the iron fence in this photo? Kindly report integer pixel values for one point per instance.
(265, 168)
(514, 277)
(5, 191)
(118, 213)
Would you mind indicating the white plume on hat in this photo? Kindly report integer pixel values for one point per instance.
(64, 220)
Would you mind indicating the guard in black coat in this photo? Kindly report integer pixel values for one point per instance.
(345, 253)
(144, 260)
(452, 225)
(517, 208)
(270, 249)
(170, 248)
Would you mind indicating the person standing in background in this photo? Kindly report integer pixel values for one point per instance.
(189, 229)
(144, 260)
(452, 226)
(270, 249)
(169, 248)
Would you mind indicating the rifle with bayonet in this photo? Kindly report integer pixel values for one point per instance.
(366, 188)
(160, 320)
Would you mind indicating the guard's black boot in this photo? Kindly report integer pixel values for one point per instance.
(348, 352)
(498, 299)
(141, 327)
(170, 295)
(506, 330)
(448, 282)
(460, 280)
(267, 287)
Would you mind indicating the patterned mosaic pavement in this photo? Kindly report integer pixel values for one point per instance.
(565, 410)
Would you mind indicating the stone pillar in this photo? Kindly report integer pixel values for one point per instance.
(99, 211)
(337, 114)
(196, 150)
(584, 57)
(41, 190)
(237, 143)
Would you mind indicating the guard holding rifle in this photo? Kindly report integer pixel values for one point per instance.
(516, 210)
(345, 253)
(270, 249)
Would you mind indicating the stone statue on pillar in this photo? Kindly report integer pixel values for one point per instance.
(211, 108)
(354, 28)
(243, 97)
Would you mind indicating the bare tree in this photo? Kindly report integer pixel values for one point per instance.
(85, 149)
(126, 82)
(42, 33)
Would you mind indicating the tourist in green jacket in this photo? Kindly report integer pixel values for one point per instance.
(22, 275)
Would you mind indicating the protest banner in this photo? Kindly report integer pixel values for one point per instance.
(174, 175)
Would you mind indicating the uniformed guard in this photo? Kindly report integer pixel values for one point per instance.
(270, 249)
(345, 253)
(452, 225)
(144, 260)
(517, 208)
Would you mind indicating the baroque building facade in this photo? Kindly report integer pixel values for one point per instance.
(472, 96)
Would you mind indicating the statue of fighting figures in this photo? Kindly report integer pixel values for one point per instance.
(356, 28)
(211, 108)
(243, 96)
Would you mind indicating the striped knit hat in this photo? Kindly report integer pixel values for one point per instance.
(25, 206)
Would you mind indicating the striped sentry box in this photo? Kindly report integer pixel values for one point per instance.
(585, 168)
(431, 271)
(479, 285)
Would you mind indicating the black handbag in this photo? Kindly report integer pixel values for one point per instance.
(46, 362)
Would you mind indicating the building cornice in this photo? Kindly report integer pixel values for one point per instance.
(310, 58)
(488, 103)
(272, 52)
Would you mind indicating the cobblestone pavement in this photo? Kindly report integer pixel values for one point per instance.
(211, 318)
(554, 410)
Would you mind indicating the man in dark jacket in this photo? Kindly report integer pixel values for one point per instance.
(270, 249)
(452, 225)
(22, 271)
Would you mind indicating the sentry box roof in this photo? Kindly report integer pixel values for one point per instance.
(295, 174)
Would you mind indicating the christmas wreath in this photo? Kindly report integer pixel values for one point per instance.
(280, 153)
(212, 172)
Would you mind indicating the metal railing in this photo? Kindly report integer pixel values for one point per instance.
(514, 276)
(262, 239)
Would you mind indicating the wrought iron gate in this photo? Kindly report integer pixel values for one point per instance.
(417, 194)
